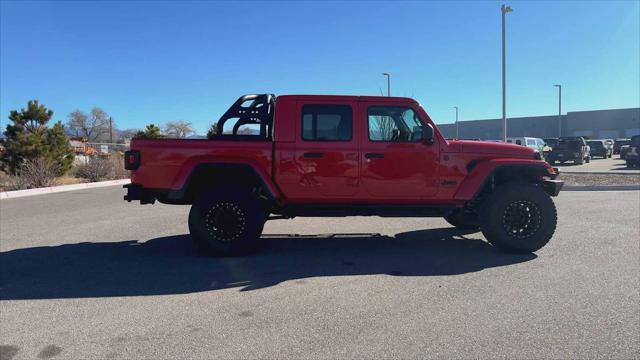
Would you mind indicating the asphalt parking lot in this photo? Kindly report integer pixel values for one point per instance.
(598, 165)
(87, 275)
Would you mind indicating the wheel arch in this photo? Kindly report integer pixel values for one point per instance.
(486, 175)
(213, 174)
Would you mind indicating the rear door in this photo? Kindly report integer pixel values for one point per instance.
(326, 153)
(395, 162)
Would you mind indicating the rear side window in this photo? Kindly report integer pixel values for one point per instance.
(327, 122)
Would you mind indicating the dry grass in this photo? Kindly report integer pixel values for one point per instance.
(600, 179)
(111, 168)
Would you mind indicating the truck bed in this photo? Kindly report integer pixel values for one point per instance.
(166, 163)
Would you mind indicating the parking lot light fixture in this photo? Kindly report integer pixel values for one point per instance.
(457, 128)
(388, 83)
(559, 109)
(504, 9)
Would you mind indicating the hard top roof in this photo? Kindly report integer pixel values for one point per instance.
(307, 97)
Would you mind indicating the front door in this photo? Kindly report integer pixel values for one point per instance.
(396, 162)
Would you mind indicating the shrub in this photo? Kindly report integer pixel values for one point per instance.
(117, 163)
(102, 168)
(34, 173)
(95, 169)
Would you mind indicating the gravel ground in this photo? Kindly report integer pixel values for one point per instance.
(600, 179)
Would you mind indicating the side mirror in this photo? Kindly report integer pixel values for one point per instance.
(428, 134)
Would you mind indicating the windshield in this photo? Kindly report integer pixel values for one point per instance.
(595, 144)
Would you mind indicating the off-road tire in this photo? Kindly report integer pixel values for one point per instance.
(226, 222)
(463, 220)
(518, 218)
(588, 159)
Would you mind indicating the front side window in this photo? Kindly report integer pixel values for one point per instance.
(327, 122)
(393, 124)
(531, 142)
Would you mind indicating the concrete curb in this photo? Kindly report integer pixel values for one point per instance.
(62, 188)
(628, 172)
(600, 187)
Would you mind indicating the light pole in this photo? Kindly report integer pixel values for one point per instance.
(457, 128)
(559, 109)
(505, 10)
(388, 83)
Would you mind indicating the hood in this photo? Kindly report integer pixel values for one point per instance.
(492, 148)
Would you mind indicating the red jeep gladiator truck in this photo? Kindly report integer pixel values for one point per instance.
(324, 155)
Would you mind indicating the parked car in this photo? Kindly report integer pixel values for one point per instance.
(632, 157)
(620, 143)
(573, 149)
(317, 155)
(599, 148)
(624, 149)
(535, 143)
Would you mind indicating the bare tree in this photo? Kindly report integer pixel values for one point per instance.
(178, 129)
(384, 125)
(93, 127)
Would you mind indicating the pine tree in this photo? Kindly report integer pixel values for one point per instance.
(213, 131)
(57, 148)
(151, 131)
(29, 138)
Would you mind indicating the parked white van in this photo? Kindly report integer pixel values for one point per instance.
(534, 143)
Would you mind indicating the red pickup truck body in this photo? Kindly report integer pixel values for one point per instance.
(354, 174)
(412, 173)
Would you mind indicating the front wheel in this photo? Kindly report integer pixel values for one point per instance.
(518, 218)
(226, 222)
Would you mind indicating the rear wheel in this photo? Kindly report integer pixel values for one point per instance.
(588, 159)
(463, 220)
(518, 218)
(226, 222)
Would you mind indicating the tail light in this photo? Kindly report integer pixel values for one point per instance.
(131, 159)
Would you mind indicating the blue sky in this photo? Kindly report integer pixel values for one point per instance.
(155, 61)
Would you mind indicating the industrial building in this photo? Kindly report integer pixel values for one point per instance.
(595, 124)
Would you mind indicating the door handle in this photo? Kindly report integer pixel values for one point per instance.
(374, 155)
(313, 155)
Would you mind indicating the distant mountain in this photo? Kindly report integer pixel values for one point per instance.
(196, 136)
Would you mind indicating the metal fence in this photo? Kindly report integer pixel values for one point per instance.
(86, 151)
(106, 148)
